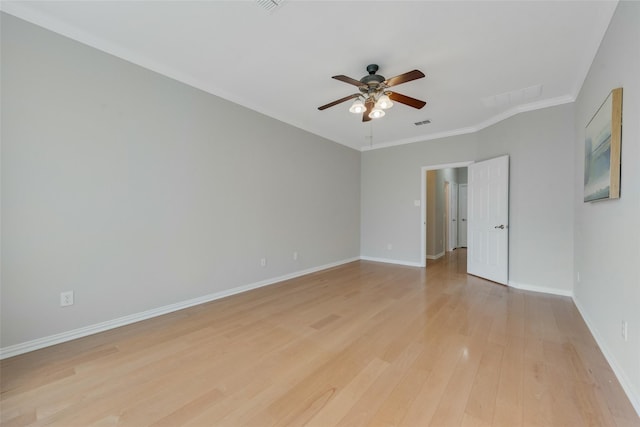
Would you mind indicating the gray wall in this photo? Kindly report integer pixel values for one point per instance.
(137, 191)
(607, 234)
(387, 201)
(539, 144)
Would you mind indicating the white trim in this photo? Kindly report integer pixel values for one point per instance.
(560, 100)
(421, 138)
(39, 343)
(392, 261)
(436, 256)
(22, 11)
(627, 385)
(542, 289)
(623, 379)
(26, 13)
(458, 245)
(454, 207)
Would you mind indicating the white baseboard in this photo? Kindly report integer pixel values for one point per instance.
(25, 347)
(542, 289)
(391, 261)
(39, 343)
(632, 394)
(436, 256)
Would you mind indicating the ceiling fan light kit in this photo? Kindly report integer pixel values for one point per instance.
(357, 107)
(376, 113)
(384, 102)
(374, 96)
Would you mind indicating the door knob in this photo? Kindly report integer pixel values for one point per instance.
(501, 226)
(464, 219)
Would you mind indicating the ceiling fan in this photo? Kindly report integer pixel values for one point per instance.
(374, 96)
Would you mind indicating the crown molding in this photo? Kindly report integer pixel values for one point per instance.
(552, 102)
(23, 11)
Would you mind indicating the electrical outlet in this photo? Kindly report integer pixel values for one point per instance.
(263, 262)
(295, 255)
(625, 327)
(66, 298)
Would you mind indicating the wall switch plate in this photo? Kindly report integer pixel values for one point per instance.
(625, 330)
(66, 298)
(295, 255)
(263, 262)
(389, 246)
(416, 203)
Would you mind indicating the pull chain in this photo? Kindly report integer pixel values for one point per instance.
(370, 136)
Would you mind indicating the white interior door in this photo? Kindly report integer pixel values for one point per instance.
(453, 217)
(462, 215)
(488, 219)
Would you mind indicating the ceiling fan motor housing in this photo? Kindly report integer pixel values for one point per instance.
(373, 80)
(372, 84)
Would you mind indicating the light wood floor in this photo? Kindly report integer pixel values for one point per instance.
(361, 344)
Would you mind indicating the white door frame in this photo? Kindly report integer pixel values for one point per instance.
(447, 213)
(460, 220)
(452, 242)
(423, 204)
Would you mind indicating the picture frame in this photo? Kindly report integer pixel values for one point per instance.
(602, 143)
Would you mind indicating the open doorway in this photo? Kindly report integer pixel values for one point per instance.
(488, 228)
(441, 221)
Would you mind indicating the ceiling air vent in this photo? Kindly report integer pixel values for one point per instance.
(515, 97)
(424, 122)
(269, 5)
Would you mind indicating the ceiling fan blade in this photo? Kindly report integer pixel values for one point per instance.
(403, 78)
(407, 100)
(349, 80)
(369, 104)
(339, 101)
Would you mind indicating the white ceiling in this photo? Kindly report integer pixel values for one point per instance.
(280, 63)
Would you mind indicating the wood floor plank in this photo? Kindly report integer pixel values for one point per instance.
(445, 360)
(360, 344)
(454, 397)
(482, 398)
(365, 408)
(536, 395)
(509, 398)
(186, 412)
(394, 408)
(338, 407)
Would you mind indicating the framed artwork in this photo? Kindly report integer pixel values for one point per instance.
(602, 150)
